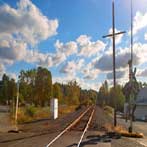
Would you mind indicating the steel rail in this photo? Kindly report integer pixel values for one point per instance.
(86, 128)
(68, 127)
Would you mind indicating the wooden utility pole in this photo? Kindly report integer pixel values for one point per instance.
(131, 72)
(113, 41)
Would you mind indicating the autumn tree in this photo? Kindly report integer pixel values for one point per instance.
(43, 86)
(116, 98)
(57, 92)
(7, 89)
(103, 94)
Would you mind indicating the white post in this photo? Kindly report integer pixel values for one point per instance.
(54, 108)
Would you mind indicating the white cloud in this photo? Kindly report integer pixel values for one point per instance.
(88, 48)
(72, 67)
(83, 40)
(81, 82)
(58, 58)
(22, 27)
(119, 74)
(90, 73)
(118, 38)
(26, 22)
(105, 63)
(142, 73)
(139, 21)
(145, 36)
(68, 49)
(2, 70)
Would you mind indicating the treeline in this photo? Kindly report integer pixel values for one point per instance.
(36, 87)
(118, 96)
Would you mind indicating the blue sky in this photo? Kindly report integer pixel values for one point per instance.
(65, 36)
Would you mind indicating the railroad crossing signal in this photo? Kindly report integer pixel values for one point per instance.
(113, 35)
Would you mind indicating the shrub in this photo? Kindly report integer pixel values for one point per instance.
(30, 111)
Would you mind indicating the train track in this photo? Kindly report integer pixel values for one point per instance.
(79, 124)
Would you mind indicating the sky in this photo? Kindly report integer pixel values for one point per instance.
(65, 36)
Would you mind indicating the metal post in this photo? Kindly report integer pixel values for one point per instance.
(17, 101)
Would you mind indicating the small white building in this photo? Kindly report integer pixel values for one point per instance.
(141, 105)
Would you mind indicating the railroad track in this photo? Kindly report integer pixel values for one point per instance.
(79, 124)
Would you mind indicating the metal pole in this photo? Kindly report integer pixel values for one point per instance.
(114, 76)
(17, 101)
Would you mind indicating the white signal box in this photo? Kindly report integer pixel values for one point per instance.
(54, 108)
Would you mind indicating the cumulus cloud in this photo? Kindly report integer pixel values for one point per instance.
(58, 58)
(145, 36)
(139, 21)
(22, 27)
(142, 73)
(90, 73)
(105, 63)
(88, 48)
(27, 22)
(118, 38)
(2, 70)
(71, 67)
(119, 75)
(83, 40)
(68, 49)
(12, 50)
(84, 84)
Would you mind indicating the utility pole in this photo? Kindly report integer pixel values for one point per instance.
(131, 73)
(113, 41)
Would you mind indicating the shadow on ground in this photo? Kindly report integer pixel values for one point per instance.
(95, 139)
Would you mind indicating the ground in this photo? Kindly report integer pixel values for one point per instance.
(48, 129)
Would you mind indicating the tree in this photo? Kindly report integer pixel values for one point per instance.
(57, 92)
(7, 89)
(87, 97)
(103, 94)
(27, 85)
(129, 88)
(117, 98)
(43, 86)
(71, 93)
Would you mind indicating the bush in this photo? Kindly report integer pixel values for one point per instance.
(109, 110)
(30, 111)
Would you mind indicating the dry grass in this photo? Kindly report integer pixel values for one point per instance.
(121, 130)
(63, 110)
(41, 113)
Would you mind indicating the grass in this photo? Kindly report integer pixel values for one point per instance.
(26, 114)
(31, 113)
(109, 111)
(122, 130)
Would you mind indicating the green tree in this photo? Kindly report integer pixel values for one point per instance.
(57, 92)
(4, 90)
(7, 89)
(129, 88)
(117, 98)
(27, 85)
(43, 86)
(103, 94)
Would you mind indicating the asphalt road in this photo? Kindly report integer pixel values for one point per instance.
(140, 127)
